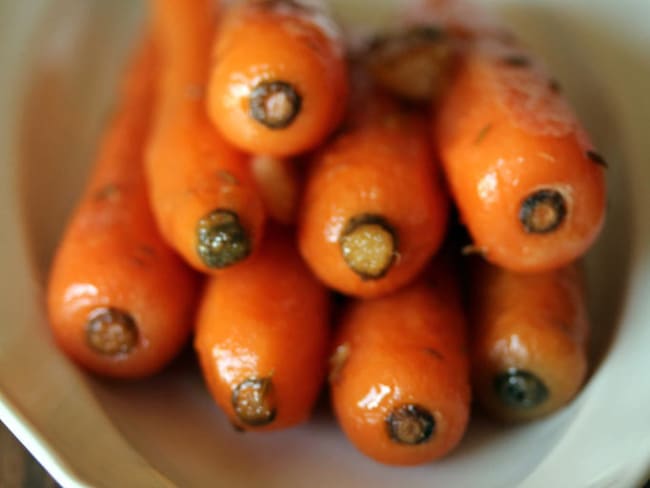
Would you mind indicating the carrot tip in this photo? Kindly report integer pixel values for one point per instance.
(254, 401)
(369, 246)
(543, 211)
(111, 332)
(275, 104)
(520, 389)
(410, 424)
(222, 241)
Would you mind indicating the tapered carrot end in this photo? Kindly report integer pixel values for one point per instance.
(275, 104)
(254, 402)
(222, 240)
(111, 332)
(543, 211)
(410, 424)
(519, 389)
(369, 246)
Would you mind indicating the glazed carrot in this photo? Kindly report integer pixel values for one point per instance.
(400, 373)
(120, 301)
(262, 337)
(526, 179)
(528, 340)
(202, 193)
(278, 84)
(373, 210)
(279, 185)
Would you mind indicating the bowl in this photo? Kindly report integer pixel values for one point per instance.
(61, 61)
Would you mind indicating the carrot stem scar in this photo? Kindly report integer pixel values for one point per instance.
(542, 212)
(275, 104)
(222, 241)
(111, 332)
(410, 424)
(254, 401)
(520, 389)
(368, 245)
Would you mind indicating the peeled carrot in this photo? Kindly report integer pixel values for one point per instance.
(279, 185)
(400, 372)
(119, 300)
(374, 210)
(262, 337)
(526, 179)
(278, 84)
(202, 192)
(529, 334)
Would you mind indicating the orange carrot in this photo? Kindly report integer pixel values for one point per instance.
(278, 84)
(279, 185)
(119, 300)
(262, 337)
(526, 179)
(374, 210)
(400, 372)
(202, 192)
(529, 334)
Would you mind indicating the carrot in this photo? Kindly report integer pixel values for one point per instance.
(279, 185)
(278, 84)
(119, 300)
(526, 179)
(202, 192)
(528, 340)
(373, 210)
(262, 337)
(399, 375)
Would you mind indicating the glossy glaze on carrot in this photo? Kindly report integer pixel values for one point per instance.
(120, 302)
(202, 193)
(529, 334)
(399, 375)
(278, 84)
(528, 183)
(262, 336)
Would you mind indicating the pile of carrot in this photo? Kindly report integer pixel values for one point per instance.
(435, 177)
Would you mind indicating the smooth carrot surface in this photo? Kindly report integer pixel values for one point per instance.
(202, 192)
(527, 181)
(262, 337)
(399, 376)
(528, 334)
(120, 302)
(279, 184)
(374, 209)
(278, 84)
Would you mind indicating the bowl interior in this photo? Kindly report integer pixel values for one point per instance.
(74, 63)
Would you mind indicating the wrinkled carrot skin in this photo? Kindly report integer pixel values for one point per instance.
(383, 165)
(191, 170)
(269, 41)
(267, 318)
(409, 347)
(111, 254)
(504, 132)
(532, 322)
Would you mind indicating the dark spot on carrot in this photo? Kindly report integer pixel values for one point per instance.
(520, 389)
(110, 192)
(254, 401)
(222, 241)
(554, 85)
(435, 353)
(517, 61)
(597, 158)
(111, 332)
(275, 104)
(369, 245)
(410, 424)
(542, 212)
(482, 134)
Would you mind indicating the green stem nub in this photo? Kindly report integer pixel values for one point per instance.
(222, 241)
(111, 332)
(275, 104)
(543, 211)
(520, 389)
(369, 246)
(254, 401)
(410, 424)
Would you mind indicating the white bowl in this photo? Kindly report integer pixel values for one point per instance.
(60, 61)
